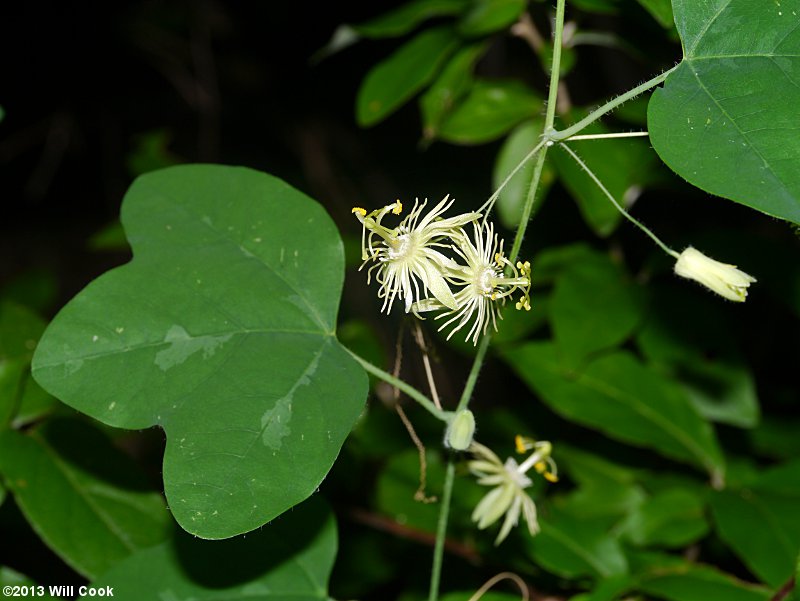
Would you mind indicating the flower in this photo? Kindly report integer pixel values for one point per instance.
(510, 481)
(722, 278)
(482, 283)
(408, 255)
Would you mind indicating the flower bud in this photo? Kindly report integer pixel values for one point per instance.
(460, 431)
(722, 278)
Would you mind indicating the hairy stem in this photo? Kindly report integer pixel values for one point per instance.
(400, 384)
(609, 106)
(623, 134)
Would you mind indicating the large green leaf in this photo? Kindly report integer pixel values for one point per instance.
(291, 558)
(221, 331)
(726, 119)
(396, 79)
(619, 396)
(83, 497)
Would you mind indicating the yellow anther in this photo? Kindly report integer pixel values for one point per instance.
(550, 477)
(359, 210)
(398, 207)
(519, 442)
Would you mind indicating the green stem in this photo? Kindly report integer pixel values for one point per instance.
(619, 207)
(398, 383)
(466, 394)
(487, 206)
(623, 134)
(441, 530)
(558, 136)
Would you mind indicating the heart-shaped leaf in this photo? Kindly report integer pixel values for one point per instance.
(221, 331)
(726, 119)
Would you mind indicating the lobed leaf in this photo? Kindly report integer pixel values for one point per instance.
(220, 331)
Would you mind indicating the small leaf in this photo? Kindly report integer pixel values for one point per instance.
(221, 331)
(450, 86)
(290, 558)
(86, 500)
(487, 16)
(515, 148)
(396, 79)
(571, 548)
(582, 328)
(623, 399)
(491, 109)
(726, 119)
(405, 18)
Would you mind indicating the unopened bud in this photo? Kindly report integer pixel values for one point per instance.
(460, 431)
(722, 278)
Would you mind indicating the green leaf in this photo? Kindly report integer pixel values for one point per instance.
(393, 81)
(9, 577)
(623, 165)
(33, 404)
(571, 548)
(291, 558)
(672, 578)
(726, 119)
(407, 17)
(84, 498)
(690, 341)
(620, 397)
(20, 330)
(762, 528)
(221, 331)
(450, 86)
(661, 11)
(582, 328)
(487, 16)
(673, 518)
(491, 109)
(515, 148)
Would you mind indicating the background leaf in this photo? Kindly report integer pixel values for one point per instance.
(487, 16)
(291, 558)
(582, 328)
(221, 330)
(392, 82)
(516, 147)
(84, 498)
(491, 109)
(761, 522)
(726, 119)
(623, 399)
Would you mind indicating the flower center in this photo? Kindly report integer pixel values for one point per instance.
(400, 247)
